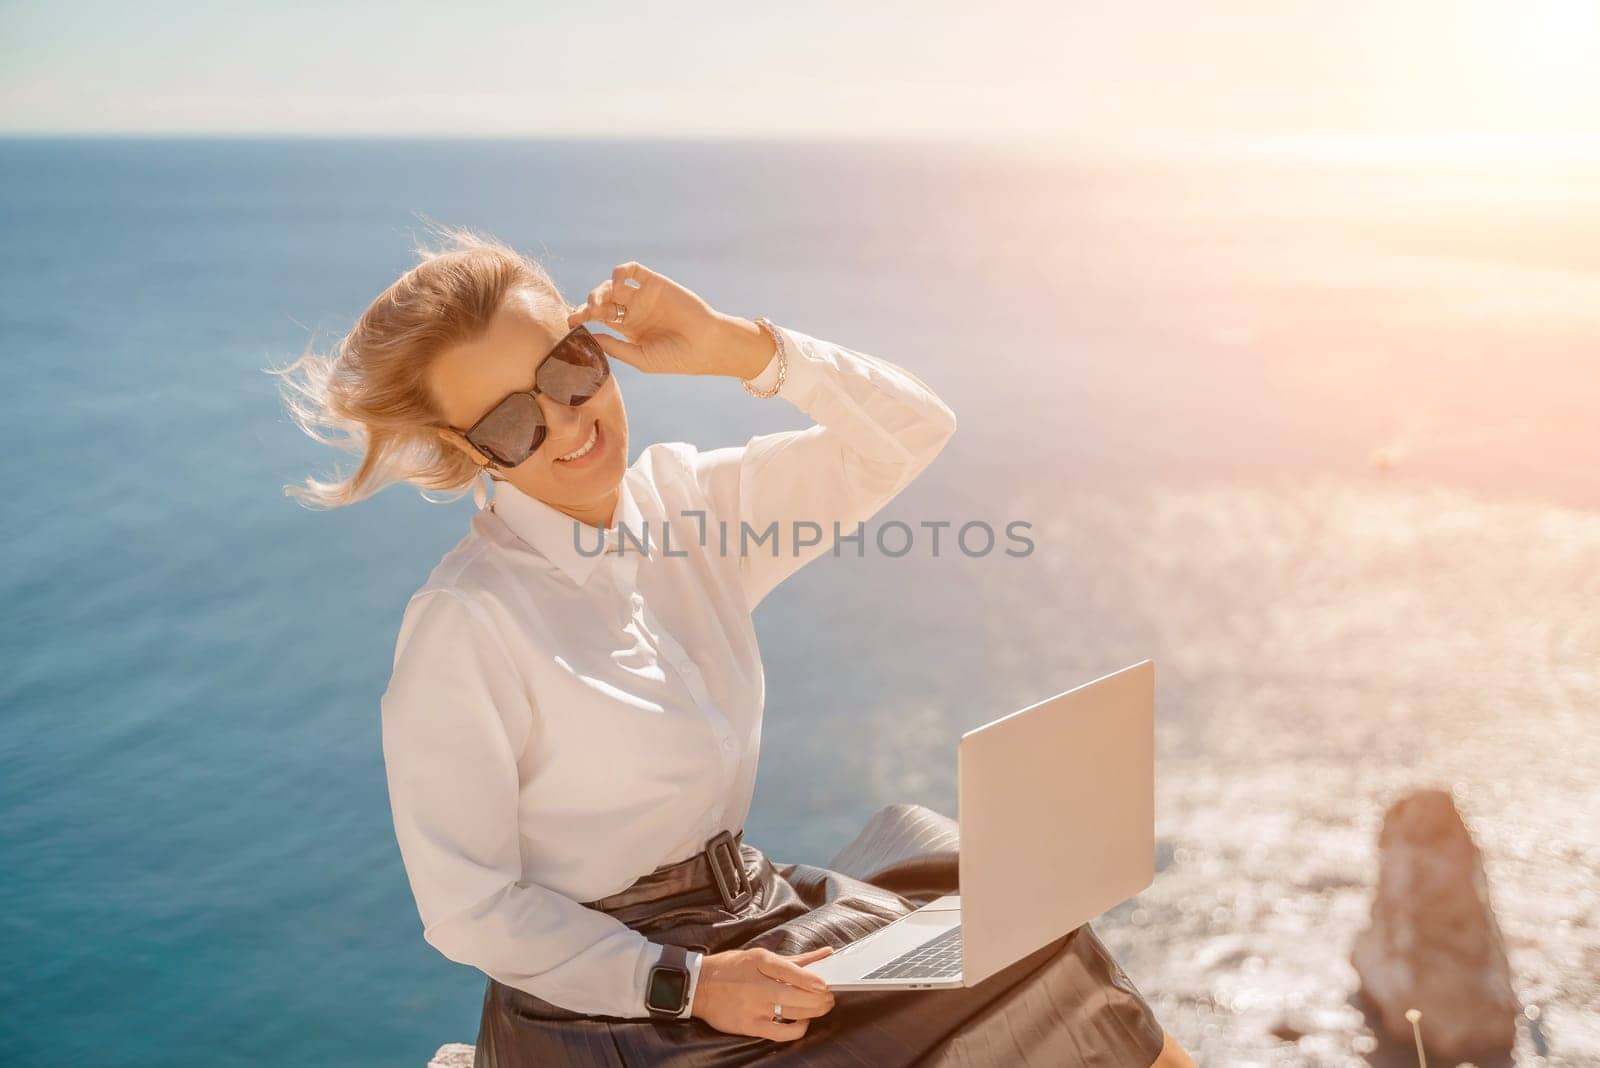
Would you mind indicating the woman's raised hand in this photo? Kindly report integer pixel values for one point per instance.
(669, 329)
(738, 988)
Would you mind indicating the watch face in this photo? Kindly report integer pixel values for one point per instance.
(668, 987)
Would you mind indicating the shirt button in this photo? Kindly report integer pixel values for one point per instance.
(727, 743)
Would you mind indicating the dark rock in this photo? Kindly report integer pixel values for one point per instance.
(1287, 1032)
(1433, 943)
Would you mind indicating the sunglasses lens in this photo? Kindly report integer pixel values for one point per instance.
(576, 370)
(511, 431)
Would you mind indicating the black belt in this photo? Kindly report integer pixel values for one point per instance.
(720, 865)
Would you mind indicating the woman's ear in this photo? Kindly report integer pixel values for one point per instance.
(455, 438)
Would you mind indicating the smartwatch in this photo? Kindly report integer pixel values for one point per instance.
(666, 992)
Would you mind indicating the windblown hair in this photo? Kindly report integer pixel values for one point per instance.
(370, 397)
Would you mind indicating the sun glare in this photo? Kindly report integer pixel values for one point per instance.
(1555, 40)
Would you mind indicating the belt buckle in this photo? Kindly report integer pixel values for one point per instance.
(727, 870)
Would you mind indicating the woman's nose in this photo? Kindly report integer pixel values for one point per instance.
(563, 422)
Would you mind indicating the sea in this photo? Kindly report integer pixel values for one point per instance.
(1319, 436)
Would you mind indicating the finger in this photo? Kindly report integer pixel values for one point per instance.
(626, 351)
(635, 272)
(619, 292)
(584, 311)
(795, 1010)
(811, 955)
(791, 971)
(787, 971)
(797, 1001)
(597, 306)
(780, 1032)
(604, 303)
(621, 275)
(612, 297)
(580, 313)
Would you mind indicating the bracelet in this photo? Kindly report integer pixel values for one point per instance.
(783, 363)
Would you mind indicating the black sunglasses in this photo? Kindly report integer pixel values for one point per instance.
(571, 374)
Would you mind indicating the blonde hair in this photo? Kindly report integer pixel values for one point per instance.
(370, 396)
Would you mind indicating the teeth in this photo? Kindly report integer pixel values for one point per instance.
(577, 454)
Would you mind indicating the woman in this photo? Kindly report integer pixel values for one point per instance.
(572, 724)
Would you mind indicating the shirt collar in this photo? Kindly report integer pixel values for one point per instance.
(558, 537)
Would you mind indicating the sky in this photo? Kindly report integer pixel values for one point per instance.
(1132, 72)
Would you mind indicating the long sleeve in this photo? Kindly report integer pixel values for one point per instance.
(876, 426)
(455, 715)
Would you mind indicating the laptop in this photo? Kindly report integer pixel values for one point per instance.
(1057, 816)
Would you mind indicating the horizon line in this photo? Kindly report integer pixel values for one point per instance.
(1526, 146)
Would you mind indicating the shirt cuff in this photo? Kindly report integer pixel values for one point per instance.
(769, 374)
(805, 374)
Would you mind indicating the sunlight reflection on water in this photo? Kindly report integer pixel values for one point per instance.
(1322, 646)
(1337, 644)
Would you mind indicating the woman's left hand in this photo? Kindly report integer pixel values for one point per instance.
(669, 329)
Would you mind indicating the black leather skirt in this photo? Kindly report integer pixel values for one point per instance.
(1068, 1003)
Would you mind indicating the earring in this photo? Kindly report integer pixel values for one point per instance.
(480, 496)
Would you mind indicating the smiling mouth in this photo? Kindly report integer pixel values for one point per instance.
(586, 448)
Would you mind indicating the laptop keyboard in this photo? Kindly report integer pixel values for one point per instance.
(937, 958)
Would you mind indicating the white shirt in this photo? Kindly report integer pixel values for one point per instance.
(559, 724)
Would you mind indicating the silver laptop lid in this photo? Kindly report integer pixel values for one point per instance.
(1057, 814)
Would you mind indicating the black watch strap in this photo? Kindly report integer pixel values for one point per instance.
(666, 991)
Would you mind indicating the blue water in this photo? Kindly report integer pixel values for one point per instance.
(196, 859)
